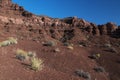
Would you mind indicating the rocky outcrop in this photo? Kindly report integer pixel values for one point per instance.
(17, 8)
(95, 30)
(26, 14)
(11, 20)
(44, 26)
(107, 29)
(5, 3)
(111, 27)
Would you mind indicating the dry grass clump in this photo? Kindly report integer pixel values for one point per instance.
(34, 62)
(9, 41)
(12, 40)
(21, 54)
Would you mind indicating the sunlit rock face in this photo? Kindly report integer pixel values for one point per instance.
(5, 2)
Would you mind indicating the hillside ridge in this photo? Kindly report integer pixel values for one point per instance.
(71, 48)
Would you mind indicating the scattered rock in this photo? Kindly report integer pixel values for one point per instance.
(99, 69)
(113, 50)
(70, 47)
(57, 50)
(83, 74)
(95, 56)
(49, 43)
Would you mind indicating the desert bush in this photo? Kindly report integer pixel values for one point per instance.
(83, 74)
(99, 69)
(24, 55)
(4, 43)
(10, 41)
(21, 54)
(50, 43)
(36, 64)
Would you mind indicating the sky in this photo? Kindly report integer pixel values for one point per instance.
(96, 11)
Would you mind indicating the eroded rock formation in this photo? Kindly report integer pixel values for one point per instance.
(54, 28)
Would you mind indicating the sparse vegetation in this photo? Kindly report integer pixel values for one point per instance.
(21, 54)
(36, 64)
(10, 41)
(83, 74)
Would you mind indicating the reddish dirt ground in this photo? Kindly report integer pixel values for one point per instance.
(57, 66)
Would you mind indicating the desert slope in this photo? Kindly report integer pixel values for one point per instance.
(65, 45)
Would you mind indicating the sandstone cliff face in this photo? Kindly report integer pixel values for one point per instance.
(5, 3)
(49, 27)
